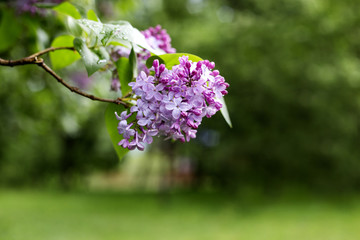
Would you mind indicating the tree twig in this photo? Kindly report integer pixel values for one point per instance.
(51, 49)
(34, 59)
(22, 61)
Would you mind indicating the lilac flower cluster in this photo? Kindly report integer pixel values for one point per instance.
(171, 103)
(157, 38)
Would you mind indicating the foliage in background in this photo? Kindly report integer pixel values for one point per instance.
(294, 72)
(43, 141)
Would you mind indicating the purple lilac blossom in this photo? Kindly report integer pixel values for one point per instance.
(157, 38)
(29, 6)
(172, 103)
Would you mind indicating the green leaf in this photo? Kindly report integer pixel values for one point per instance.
(224, 111)
(111, 126)
(125, 73)
(92, 61)
(121, 32)
(102, 53)
(171, 59)
(150, 60)
(107, 37)
(91, 15)
(73, 26)
(133, 63)
(68, 9)
(63, 58)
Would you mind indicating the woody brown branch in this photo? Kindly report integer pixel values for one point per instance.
(34, 59)
(23, 61)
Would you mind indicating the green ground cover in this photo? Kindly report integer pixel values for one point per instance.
(88, 216)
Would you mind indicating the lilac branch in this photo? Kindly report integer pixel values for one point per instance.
(34, 59)
(51, 49)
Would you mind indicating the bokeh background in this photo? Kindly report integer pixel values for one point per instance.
(288, 169)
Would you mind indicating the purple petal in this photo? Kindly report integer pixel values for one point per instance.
(124, 143)
(184, 107)
(176, 113)
(143, 122)
(140, 146)
(148, 139)
(117, 116)
(149, 95)
(170, 106)
(177, 101)
(158, 96)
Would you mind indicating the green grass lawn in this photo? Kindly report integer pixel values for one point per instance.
(27, 215)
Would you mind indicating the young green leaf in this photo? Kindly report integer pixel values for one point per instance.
(123, 66)
(91, 15)
(92, 61)
(102, 53)
(63, 58)
(171, 59)
(225, 112)
(73, 27)
(68, 9)
(121, 32)
(133, 62)
(111, 126)
(150, 60)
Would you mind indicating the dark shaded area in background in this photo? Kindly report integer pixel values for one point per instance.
(294, 72)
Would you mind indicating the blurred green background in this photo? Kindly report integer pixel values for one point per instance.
(294, 100)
